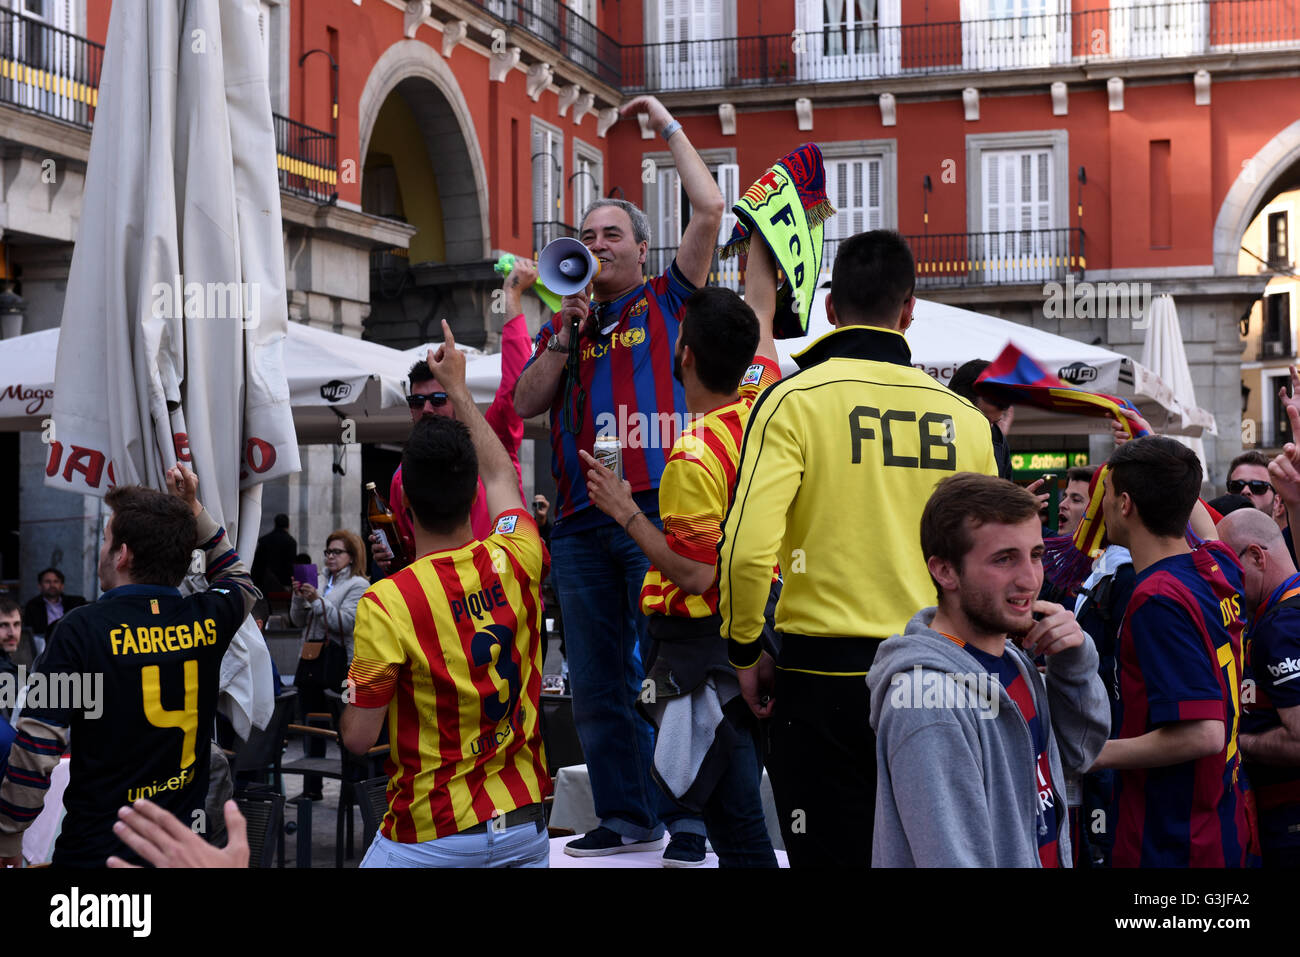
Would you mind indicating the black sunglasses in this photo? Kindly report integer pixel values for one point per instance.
(417, 401)
(1257, 486)
(331, 552)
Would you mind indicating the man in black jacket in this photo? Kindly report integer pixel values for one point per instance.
(274, 557)
(50, 605)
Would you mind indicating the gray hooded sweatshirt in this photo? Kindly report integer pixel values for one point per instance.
(957, 782)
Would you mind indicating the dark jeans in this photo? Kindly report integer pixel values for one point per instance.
(734, 813)
(822, 762)
(597, 575)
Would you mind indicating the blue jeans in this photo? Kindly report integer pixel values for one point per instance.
(597, 576)
(518, 846)
(734, 813)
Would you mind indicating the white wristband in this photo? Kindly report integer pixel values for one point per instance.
(669, 130)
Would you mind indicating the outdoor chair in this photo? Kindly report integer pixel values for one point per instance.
(263, 811)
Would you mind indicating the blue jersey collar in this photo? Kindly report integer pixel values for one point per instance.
(152, 591)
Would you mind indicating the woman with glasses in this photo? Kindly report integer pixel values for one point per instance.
(327, 613)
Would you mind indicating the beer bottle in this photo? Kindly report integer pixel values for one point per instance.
(384, 525)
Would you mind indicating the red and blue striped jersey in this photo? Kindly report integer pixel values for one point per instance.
(1049, 821)
(1180, 660)
(626, 386)
(1272, 681)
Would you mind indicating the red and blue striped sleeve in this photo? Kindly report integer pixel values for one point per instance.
(1182, 682)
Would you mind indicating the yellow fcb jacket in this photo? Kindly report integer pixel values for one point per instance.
(837, 463)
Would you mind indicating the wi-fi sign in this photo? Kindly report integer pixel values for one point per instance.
(335, 391)
(1077, 372)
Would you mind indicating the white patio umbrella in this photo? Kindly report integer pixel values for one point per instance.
(1163, 354)
(332, 379)
(942, 337)
(173, 326)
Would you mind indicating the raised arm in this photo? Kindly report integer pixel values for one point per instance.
(501, 414)
(760, 294)
(500, 481)
(541, 378)
(223, 563)
(695, 254)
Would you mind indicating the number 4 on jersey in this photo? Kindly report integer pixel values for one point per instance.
(186, 719)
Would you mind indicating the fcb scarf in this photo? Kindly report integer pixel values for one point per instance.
(1015, 377)
(786, 207)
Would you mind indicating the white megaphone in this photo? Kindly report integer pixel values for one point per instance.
(566, 266)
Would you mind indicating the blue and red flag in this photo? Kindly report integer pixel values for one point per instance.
(1015, 377)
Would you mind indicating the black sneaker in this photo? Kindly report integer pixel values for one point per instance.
(685, 850)
(602, 842)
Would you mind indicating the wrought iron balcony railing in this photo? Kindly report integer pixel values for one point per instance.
(544, 232)
(48, 70)
(575, 38)
(871, 50)
(307, 159)
(949, 259)
(55, 73)
(993, 258)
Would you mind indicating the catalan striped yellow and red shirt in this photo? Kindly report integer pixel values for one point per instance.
(451, 645)
(695, 492)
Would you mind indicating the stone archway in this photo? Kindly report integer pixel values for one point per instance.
(407, 69)
(1274, 168)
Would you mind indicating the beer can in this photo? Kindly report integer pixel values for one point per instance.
(608, 453)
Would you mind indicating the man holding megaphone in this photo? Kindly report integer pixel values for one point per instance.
(604, 366)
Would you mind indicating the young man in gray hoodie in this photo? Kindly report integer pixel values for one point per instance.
(972, 744)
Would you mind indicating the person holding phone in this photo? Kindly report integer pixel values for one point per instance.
(327, 613)
(973, 746)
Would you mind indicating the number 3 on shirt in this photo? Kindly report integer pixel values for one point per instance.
(507, 669)
(186, 719)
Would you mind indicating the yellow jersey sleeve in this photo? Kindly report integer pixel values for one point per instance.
(516, 532)
(378, 656)
(758, 377)
(692, 502)
(771, 469)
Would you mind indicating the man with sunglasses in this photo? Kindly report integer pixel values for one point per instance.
(1248, 476)
(428, 398)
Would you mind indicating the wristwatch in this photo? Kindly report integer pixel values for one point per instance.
(553, 344)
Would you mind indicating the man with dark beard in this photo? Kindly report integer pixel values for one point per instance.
(964, 725)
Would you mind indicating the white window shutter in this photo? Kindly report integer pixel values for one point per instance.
(992, 209)
(1044, 190)
(712, 21)
(668, 22)
(729, 184)
(547, 177)
(668, 231)
(540, 169)
(875, 201)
